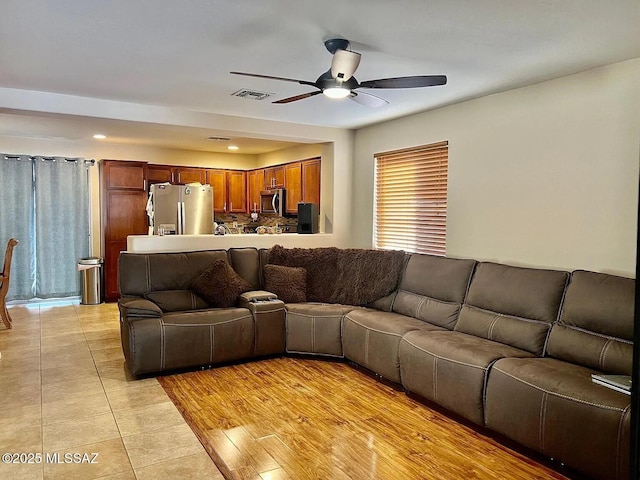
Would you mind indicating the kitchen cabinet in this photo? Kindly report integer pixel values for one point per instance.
(311, 181)
(274, 177)
(293, 186)
(123, 199)
(237, 191)
(218, 180)
(255, 184)
(184, 175)
(229, 190)
(159, 174)
(302, 181)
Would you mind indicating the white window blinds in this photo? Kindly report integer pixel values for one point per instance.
(411, 199)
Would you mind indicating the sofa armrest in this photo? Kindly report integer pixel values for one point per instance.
(138, 307)
(257, 296)
(269, 316)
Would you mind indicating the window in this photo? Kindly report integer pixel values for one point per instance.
(411, 199)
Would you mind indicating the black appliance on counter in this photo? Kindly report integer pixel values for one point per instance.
(308, 217)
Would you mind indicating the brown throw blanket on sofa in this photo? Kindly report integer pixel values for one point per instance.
(347, 276)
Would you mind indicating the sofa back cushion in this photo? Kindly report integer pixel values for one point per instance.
(512, 305)
(140, 273)
(433, 288)
(246, 261)
(595, 328)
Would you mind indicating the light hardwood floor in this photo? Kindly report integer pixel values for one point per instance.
(293, 418)
(64, 389)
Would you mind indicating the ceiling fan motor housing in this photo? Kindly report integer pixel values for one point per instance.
(344, 64)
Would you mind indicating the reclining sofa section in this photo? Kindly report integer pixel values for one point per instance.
(508, 348)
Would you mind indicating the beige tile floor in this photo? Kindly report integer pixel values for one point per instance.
(64, 389)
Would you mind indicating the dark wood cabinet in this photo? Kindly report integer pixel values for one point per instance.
(159, 174)
(123, 200)
(293, 186)
(184, 175)
(311, 181)
(274, 177)
(124, 175)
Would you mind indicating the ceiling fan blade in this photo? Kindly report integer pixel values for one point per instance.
(368, 100)
(298, 97)
(406, 82)
(270, 77)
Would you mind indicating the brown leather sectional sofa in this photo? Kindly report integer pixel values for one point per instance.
(508, 348)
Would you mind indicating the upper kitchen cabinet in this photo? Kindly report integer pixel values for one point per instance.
(274, 177)
(119, 174)
(302, 183)
(184, 175)
(311, 181)
(159, 174)
(236, 191)
(229, 190)
(255, 184)
(293, 182)
(218, 180)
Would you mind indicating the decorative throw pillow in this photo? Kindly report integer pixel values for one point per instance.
(220, 285)
(289, 283)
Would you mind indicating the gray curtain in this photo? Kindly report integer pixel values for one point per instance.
(61, 225)
(45, 204)
(16, 221)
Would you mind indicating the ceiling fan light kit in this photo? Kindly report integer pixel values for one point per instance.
(336, 92)
(338, 82)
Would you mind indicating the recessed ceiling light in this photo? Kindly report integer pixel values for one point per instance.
(233, 147)
(99, 136)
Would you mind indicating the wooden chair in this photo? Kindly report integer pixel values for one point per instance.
(4, 282)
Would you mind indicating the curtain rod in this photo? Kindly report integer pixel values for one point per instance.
(90, 162)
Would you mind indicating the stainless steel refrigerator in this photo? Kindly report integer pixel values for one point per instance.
(181, 209)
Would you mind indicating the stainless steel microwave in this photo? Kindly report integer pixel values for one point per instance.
(272, 202)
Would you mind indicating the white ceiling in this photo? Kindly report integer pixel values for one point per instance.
(179, 54)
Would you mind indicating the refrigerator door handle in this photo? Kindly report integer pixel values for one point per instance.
(273, 203)
(183, 217)
(179, 232)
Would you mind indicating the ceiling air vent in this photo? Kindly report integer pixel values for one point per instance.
(218, 139)
(251, 94)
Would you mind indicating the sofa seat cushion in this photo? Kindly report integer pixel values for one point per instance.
(176, 300)
(371, 338)
(315, 328)
(553, 407)
(187, 339)
(450, 368)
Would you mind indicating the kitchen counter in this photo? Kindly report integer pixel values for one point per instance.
(190, 243)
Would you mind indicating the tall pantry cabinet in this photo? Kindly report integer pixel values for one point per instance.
(123, 200)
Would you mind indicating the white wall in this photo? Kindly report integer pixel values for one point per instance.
(545, 175)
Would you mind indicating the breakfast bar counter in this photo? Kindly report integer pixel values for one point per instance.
(190, 243)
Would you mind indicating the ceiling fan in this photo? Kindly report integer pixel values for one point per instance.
(339, 82)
